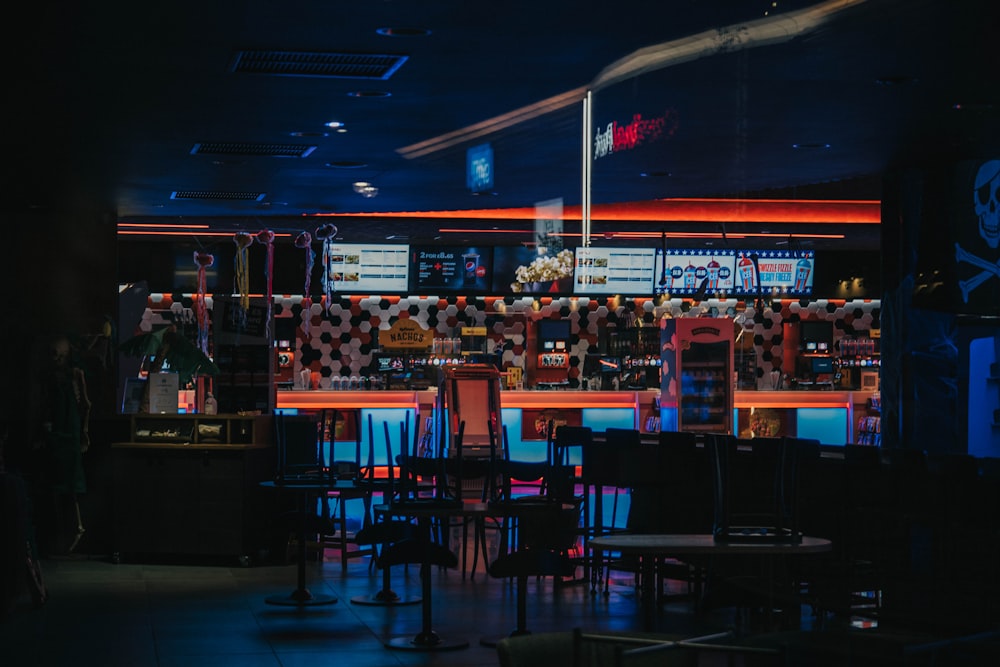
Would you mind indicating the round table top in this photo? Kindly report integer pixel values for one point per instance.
(651, 543)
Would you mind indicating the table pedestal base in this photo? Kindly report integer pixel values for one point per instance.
(385, 598)
(426, 641)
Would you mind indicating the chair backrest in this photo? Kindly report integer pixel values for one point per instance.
(603, 462)
(350, 469)
(467, 477)
(568, 439)
(755, 491)
(298, 447)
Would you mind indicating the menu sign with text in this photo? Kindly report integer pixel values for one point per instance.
(451, 268)
(613, 271)
(689, 271)
(368, 269)
(775, 271)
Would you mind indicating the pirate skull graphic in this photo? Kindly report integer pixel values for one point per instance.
(987, 202)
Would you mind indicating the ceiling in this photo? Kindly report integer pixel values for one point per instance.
(160, 112)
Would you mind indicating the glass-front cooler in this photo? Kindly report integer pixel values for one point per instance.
(697, 373)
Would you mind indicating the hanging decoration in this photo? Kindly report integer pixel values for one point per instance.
(203, 261)
(304, 241)
(242, 278)
(266, 238)
(327, 233)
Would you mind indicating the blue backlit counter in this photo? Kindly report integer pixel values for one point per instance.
(828, 416)
(524, 413)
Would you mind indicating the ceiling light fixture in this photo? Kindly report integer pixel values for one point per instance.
(369, 93)
(403, 32)
(346, 164)
(365, 189)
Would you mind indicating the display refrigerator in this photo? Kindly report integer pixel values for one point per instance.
(696, 376)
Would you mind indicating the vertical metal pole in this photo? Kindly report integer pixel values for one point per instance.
(585, 171)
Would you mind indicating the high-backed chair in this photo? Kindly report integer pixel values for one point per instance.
(539, 532)
(467, 478)
(755, 488)
(384, 532)
(352, 481)
(299, 458)
(567, 447)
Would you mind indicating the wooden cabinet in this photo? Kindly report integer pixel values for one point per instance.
(178, 491)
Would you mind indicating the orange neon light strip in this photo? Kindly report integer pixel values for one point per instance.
(809, 211)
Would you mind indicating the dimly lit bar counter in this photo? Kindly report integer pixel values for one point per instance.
(525, 413)
(832, 417)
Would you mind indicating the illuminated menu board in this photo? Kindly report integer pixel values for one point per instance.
(682, 272)
(368, 269)
(451, 268)
(780, 271)
(614, 271)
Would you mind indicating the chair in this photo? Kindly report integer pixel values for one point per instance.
(467, 478)
(381, 534)
(604, 467)
(352, 482)
(542, 535)
(755, 491)
(566, 447)
(530, 482)
(299, 458)
(668, 495)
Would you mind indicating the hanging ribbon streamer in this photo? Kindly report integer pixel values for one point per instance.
(203, 260)
(242, 277)
(326, 233)
(304, 241)
(266, 238)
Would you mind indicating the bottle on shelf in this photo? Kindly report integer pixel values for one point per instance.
(211, 405)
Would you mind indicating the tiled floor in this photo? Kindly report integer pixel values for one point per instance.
(187, 615)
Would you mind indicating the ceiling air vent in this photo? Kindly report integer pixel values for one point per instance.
(216, 195)
(309, 63)
(245, 149)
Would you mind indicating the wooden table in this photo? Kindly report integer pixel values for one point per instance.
(650, 546)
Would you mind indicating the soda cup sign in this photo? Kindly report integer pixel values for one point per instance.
(471, 261)
(745, 270)
(802, 270)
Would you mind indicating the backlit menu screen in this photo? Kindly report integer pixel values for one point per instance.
(614, 271)
(357, 268)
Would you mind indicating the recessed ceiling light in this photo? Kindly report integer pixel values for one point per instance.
(346, 164)
(369, 93)
(334, 124)
(400, 31)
